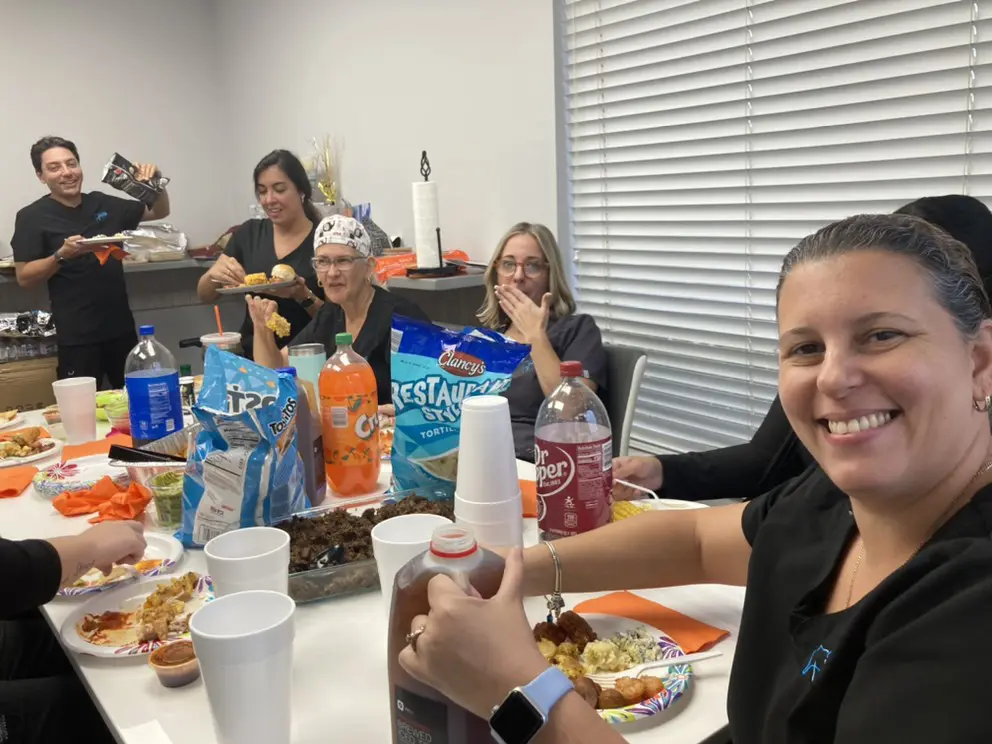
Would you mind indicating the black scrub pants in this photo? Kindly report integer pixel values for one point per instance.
(42, 700)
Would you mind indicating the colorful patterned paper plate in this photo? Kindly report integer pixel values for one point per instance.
(127, 599)
(675, 678)
(78, 475)
(163, 548)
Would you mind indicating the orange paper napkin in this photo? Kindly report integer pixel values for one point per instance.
(99, 447)
(103, 254)
(14, 480)
(692, 635)
(105, 499)
(528, 494)
(8, 435)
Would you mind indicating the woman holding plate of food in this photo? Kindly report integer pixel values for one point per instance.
(355, 304)
(280, 247)
(868, 576)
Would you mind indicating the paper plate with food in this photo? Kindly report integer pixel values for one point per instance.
(78, 475)
(25, 446)
(282, 277)
(10, 419)
(102, 240)
(613, 649)
(136, 619)
(162, 555)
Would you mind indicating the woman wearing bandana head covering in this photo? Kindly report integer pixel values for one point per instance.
(355, 304)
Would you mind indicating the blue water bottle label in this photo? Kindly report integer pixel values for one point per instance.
(155, 406)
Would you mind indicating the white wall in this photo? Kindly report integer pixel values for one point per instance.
(470, 81)
(131, 76)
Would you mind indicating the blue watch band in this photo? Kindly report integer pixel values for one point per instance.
(548, 688)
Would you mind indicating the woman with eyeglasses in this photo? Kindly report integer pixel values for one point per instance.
(285, 236)
(528, 300)
(345, 270)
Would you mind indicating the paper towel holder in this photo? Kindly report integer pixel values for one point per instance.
(442, 268)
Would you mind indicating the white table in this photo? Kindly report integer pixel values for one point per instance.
(340, 685)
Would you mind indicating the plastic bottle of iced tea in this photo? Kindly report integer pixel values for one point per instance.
(419, 712)
(349, 405)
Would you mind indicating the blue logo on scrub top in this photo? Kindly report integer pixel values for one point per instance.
(819, 657)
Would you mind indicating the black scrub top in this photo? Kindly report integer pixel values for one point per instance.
(374, 340)
(253, 246)
(907, 663)
(743, 471)
(575, 338)
(89, 300)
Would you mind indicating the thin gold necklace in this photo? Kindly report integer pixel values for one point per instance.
(929, 533)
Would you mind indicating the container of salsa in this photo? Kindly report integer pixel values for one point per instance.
(167, 492)
(175, 664)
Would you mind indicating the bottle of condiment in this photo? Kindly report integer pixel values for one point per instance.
(573, 454)
(421, 713)
(349, 409)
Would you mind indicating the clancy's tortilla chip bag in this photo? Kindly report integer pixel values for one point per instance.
(433, 370)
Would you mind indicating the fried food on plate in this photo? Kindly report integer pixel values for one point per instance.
(551, 632)
(547, 648)
(633, 690)
(588, 689)
(163, 611)
(252, 280)
(7, 416)
(652, 686)
(611, 699)
(577, 629)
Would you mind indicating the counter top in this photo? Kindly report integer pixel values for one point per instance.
(7, 277)
(461, 281)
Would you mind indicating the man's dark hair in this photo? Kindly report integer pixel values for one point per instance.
(45, 144)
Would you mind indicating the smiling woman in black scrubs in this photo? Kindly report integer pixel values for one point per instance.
(869, 577)
(345, 270)
(285, 236)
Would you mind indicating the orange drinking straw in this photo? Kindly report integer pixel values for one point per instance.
(220, 328)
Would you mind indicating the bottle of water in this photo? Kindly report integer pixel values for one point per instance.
(573, 452)
(152, 381)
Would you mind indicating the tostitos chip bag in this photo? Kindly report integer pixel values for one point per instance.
(245, 468)
(434, 369)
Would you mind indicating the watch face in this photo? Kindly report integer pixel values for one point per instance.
(516, 721)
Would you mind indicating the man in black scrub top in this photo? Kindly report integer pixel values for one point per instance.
(89, 300)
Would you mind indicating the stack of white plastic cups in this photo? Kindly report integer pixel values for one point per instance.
(487, 492)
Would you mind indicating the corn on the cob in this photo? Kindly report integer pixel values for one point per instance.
(624, 509)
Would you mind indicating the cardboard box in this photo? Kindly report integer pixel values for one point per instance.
(27, 384)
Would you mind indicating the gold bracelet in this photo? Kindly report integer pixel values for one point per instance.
(556, 602)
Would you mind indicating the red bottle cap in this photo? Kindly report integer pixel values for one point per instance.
(570, 369)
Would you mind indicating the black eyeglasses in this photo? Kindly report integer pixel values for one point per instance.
(532, 267)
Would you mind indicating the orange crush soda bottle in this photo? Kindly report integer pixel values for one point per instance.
(349, 409)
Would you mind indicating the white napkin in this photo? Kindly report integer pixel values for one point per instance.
(147, 733)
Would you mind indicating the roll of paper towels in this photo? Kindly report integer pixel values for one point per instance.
(425, 224)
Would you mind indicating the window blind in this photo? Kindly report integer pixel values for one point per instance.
(705, 137)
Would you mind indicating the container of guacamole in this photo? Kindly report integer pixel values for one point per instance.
(167, 492)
